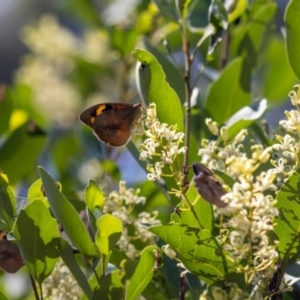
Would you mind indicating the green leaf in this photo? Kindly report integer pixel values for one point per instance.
(7, 202)
(6, 107)
(230, 92)
(287, 223)
(197, 17)
(167, 8)
(94, 200)
(3, 297)
(275, 86)
(67, 216)
(197, 249)
(152, 292)
(203, 212)
(72, 264)
(108, 233)
(123, 39)
(35, 192)
(251, 40)
(110, 285)
(38, 238)
(154, 88)
(293, 34)
(235, 9)
(173, 75)
(94, 197)
(143, 273)
(19, 154)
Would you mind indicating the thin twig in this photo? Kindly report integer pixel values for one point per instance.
(33, 284)
(187, 71)
(182, 286)
(224, 51)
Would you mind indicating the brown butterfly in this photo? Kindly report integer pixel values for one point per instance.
(10, 257)
(208, 186)
(113, 123)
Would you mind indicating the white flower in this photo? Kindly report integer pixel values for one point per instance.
(169, 251)
(212, 126)
(163, 142)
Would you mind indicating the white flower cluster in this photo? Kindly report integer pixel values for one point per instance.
(61, 285)
(49, 66)
(250, 212)
(121, 205)
(163, 142)
(287, 151)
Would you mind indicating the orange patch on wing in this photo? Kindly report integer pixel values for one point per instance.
(100, 109)
(3, 235)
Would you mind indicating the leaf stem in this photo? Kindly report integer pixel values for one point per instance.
(33, 284)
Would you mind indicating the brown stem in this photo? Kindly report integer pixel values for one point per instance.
(33, 284)
(181, 286)
(188, 91)
(224, 51)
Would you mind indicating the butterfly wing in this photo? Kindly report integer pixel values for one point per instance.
(113, 123)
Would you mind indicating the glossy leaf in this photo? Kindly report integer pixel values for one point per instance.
(173, 75)
(72, 264)
(94, 200)
(154, 88)
(288, 222)
(235, 9)
(67, 216)
(200, 217)
(197, 249)
(35, 192)
(143, 272)
(293, 34)
(7, 202)
(276, 87)
(94, 197)
(19, 154)
(230, 92)
(38, 238)
(109, 232)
